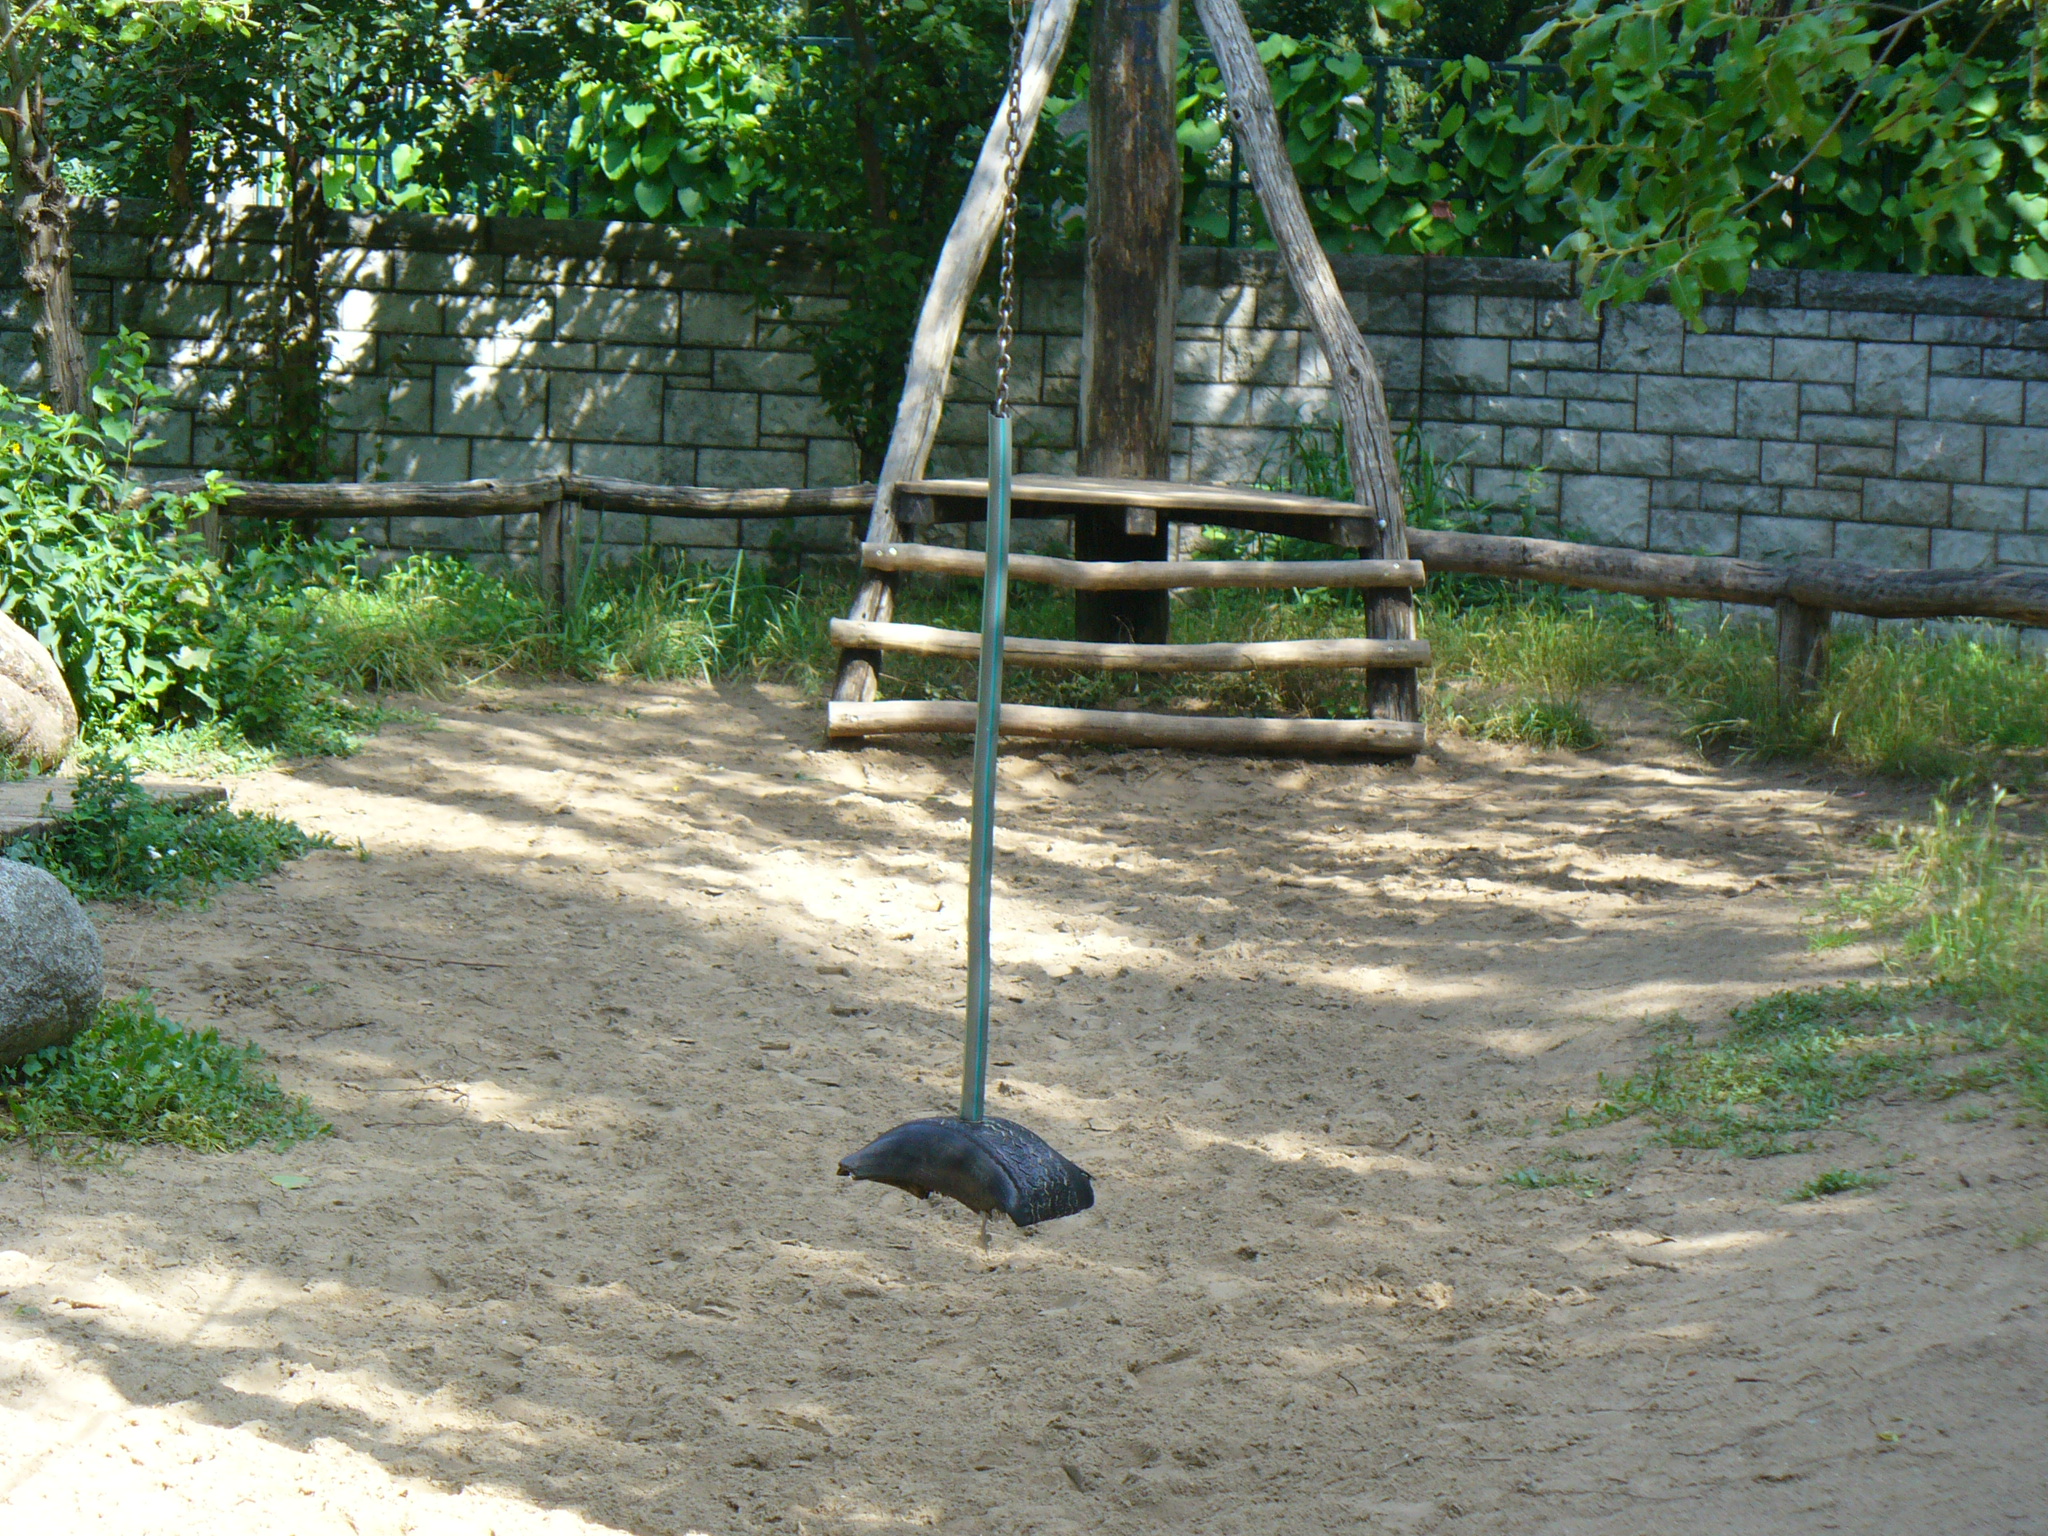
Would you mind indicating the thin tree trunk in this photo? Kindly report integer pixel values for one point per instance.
(300, 442)
(874, 169)
(42, 227)
(1362, 401)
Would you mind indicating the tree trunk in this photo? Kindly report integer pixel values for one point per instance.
(42, 228)
(299, 443)
(1368, 436)
(1126, 415)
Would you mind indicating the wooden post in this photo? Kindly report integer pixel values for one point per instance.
(938, 323)
(1133, 286)
(1802, 652)
(1361, 399)
(555, 520)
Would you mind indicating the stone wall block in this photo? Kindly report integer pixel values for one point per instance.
(1777, 538)
(706, 418)
(1463, 443)
(388, 314)
(1594, 386)
(1474, 363)
(2014, 364)
(1634, 453)
(1504, 316)
(1751, 321)
(446, 271)
(1968, 399)
(491, 402)
(1566, 320)
(1604, 415)
(1920, 502)
(2016, 456)
(2037, 405)
(1609, 509)
(1853, 325)
(1859, 431)
(1259, 357)
(507, 459)
(621, 315)
(1962, 362)
(1940, 450)
(1700, 407)
(1642, 338)
(1519, 410)
(1571, 450)
(694, 532)
(1549, 352)
(1787, 463)
(1813, 362)
(1715, 458)
(1449, 314)
(605, 407)
(648, 463)
(1718, 496)
(455, 535)
(175, 309)
(782, 372)
(1837, 460)
(1952, 548)
(523, 316)
(1730, 357)
(1876, 544)
(1891, 379)
(1695, 533)
(1820, 501)
(737, 468)
(1766, 410)
(1989, 508)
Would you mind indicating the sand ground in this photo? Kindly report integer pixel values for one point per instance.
(620, 973)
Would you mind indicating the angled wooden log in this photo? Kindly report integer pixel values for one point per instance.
(1361, 398)
(945, 307)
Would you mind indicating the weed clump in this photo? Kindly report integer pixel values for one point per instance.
(1837, 1181)
(120, 842)
(138, 1077)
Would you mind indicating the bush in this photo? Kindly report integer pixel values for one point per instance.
(136, 1076)
(105, 575)
(120, 842)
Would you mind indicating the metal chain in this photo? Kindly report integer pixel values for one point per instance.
(1006, 312)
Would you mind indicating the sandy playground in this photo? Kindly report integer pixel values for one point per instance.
(621, 973)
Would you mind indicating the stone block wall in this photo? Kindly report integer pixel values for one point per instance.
(1902, 421)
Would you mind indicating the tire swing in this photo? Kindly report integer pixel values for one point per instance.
(986, 1163)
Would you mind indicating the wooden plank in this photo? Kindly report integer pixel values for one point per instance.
(939, 318)
(31, 805)
(1168, 575)
(1124, 728)
(1172, 496)
(1117, 656)
(1355, 377)
(1128, 299)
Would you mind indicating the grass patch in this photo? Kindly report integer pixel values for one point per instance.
(1963, 906)
(1837, 1181)
(138, 1077)
(1553, 1178)
(119, 842)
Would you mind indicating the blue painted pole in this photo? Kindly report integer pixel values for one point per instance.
(995, 604)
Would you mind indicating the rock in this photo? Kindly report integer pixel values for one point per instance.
(52, 971)
(38, 721)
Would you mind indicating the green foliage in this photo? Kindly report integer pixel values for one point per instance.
(1837, 1181)
(1791, 1064)
(1553, 1178)
(120, 842)
(135, 1076)
(433, 623)
(1966, 902)
(105, 575)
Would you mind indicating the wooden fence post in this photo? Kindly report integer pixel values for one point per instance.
(554, 560)
(1802, 652)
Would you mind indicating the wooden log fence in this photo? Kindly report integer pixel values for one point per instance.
(1802, 592)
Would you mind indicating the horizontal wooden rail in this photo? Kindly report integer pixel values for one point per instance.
(2017, 595)
(1146, 575)
(1123, 728)
(490, 498)
(1098, 656)
(1842, 586)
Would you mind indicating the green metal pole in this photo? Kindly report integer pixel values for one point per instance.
(995, 603)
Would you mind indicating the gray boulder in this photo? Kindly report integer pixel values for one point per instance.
(38, 721)
(52, 971)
